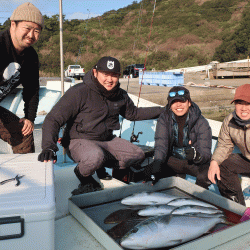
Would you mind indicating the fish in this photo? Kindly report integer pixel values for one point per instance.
(167, 230)
(193, 209)
(168, 209)
(190, 201)
(119, 230)
(146, 198)
(121, 215)
(157, 210)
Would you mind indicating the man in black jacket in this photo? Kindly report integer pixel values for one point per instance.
(19, 65)
(183, 141)
(91, 110)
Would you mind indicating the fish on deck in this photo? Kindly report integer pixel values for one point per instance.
(119, 230)
(146, 198)
(189, 201)
(167, 230)
(168, 209)
(121, 215)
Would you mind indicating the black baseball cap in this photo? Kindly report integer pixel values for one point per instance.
(108, 64)
(178, 93)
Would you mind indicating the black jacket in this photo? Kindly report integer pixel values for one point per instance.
(90, 115)
(200, 135)
(27, 74)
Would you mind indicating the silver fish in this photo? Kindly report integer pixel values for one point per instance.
(156, 210)
(168, 209)
(189, 201)
(167, 230)
(145, 198)
(192, 209)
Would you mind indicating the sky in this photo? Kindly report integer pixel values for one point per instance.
(72, 9)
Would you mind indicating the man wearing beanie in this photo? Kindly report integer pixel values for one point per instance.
(183, 141)
(91, 111)
(19, 65)
(225, 166)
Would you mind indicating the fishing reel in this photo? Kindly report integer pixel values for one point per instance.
(134, 138)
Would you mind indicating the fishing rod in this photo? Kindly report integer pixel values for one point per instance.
(134, 138)
(137, 28)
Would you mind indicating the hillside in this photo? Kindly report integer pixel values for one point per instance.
(179, 33)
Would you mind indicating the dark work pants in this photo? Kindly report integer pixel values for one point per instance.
(230, 186)
(11, 132)
(91, 155)
(183, 167)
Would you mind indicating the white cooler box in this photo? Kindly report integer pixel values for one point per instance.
(27, 210)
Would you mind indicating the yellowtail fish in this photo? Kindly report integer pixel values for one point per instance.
(145, 198)
(189, 201)
(168, 209)
(121, 215)
(167, 230)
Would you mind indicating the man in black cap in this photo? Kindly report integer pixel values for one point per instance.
(183, 141)
(91, 111)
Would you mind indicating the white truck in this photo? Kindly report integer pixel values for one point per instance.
(75, 71)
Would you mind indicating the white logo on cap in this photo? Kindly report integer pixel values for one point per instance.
(110, 64)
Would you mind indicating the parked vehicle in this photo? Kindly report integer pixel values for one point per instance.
(133, 70)
(75, 71)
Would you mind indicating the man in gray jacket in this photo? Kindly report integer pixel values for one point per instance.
(183, 141)
(91, 111)
(235, 131)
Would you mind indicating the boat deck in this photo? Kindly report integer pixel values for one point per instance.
(69, 233)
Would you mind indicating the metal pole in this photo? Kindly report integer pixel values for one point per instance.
(61, 47)
(62, 62)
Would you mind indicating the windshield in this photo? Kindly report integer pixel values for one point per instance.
(139, 66)
(75, 67)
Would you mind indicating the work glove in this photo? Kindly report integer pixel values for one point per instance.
(192, 154)
(152, 172)
(47, 155)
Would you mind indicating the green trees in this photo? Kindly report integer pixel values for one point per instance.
(184, 33)
(237, 45)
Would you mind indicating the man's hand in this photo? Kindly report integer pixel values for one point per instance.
(47, 155)
(214, 170)
(28, 126)
(190, 153)
(151, 173)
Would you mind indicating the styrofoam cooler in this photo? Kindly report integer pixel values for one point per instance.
(27, 211)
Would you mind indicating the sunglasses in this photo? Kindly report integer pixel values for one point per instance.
(178, 93)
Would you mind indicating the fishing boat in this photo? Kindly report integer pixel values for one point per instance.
(65, 226)
(70, 229)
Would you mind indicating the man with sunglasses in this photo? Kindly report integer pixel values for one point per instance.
(91, 111)
(225, 166)
(183, 141)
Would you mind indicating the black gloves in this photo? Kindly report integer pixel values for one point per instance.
(152, 172)
(47, 155)
(192, 154)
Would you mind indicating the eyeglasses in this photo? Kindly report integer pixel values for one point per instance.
(179, 93)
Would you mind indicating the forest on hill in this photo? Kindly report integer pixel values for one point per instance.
(164, 34)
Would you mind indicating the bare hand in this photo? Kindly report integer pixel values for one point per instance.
(214, 170)
(28, 126)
